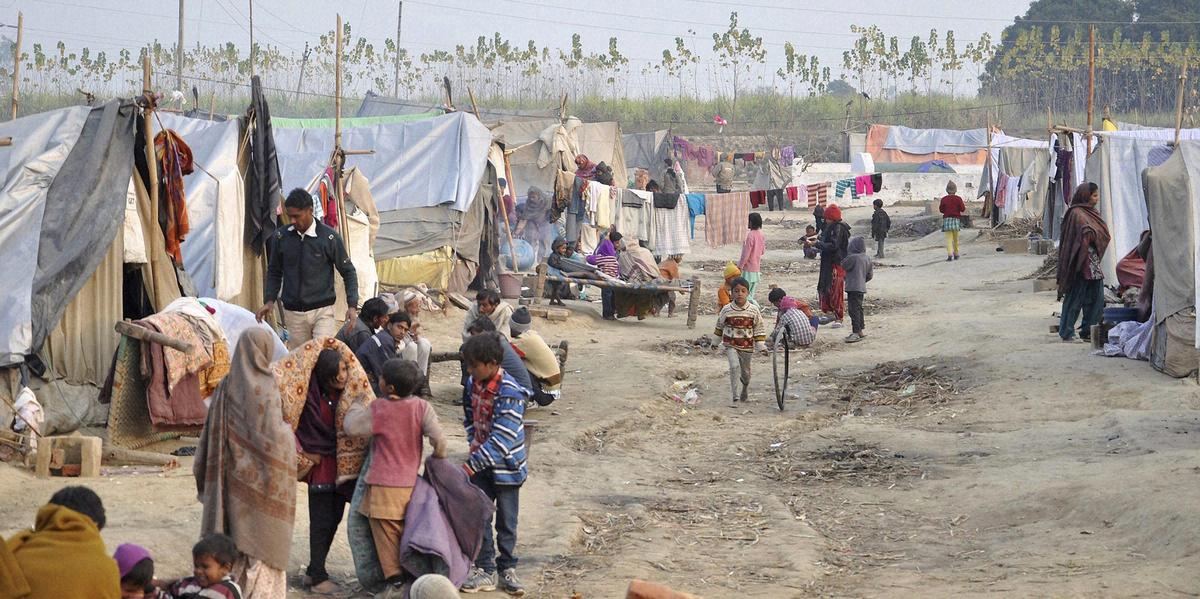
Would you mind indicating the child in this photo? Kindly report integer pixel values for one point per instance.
(858, 272)
(494, 418)
(489, 304)
(952, 209)
(795, 317)
(740, 327)
(397, 427)
(808, 241)
(212, 560)
(752, 251)
(137, 573)
(723, 292)
(383, 346)
(819, 217)
(881, 223)
(605, 259)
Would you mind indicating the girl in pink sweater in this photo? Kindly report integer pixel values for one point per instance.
(397, 423)
(752, 251)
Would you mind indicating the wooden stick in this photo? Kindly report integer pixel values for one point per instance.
(141, 333)
(148, 131)
(1091, 82)
(474, 106)
(512, 191)
(604, 284)
(16, 76)
(337, 85)
(694, 303)
(1179, 99)
(120, 455)
(539, 288)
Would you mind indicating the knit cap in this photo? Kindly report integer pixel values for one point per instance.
(731, 271)
(520, 322)
(129, 555)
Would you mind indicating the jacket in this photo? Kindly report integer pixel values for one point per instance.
(503, 451)
(357, 335)
(723, 175)
(952, 206)
(858, 266)
(300, 269)
(881, 223)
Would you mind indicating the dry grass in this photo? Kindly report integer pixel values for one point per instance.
(904, 384)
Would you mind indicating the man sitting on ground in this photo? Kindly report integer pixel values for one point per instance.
(372, 317)
(63, 556)
(545, 371)
(488, 304)
(389, 343)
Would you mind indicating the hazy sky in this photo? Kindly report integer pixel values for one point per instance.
(643, 28)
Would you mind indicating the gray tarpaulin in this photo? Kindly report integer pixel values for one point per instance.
(84, 209)
(1172, 192)
(929, 141)
(212, 251)
(419, 230)
(416, 164)
(648, 151)
(523, 138)
(40, 146)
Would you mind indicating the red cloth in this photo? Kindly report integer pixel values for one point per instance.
(175, 158)
(793, 194)
(1131, 270)
(834, 300)
(758, 198)
(397, 442)
(952, 206)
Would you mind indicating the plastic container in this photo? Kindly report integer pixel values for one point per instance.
(1119, 314)
(510, 285)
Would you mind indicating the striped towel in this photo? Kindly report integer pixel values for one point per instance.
(671, 227)
(725, 217)
(818, 194)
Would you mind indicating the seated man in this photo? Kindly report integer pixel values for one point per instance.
(372, 317)
(488, 304)
(511, 363)
(63, 556)
(795, 318)
(389, 343)
(545, 371)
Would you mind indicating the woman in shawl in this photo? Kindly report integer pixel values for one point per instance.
(584, 167)
(1085, 237)
(533, 221)
(833, 245)
(245, 469)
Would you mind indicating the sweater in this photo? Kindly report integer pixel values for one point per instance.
(741, 328)
(858, 266)
(300, 269)
(752, 251)
(494, 418)
(952, 206)
(499, 317)
(539, 359)
(398, 428)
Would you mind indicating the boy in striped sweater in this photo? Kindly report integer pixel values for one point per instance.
(740, 327)
(494, 418)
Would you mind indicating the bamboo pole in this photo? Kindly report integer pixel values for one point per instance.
(251, 2)
(16, 77)
(212, 104)
(337, 86)
(474, 106)
(179, 52)
(1091, 83)
(396, 76)
(512, 248)
(339, 156)
(148, 132)
(991, 179)
(1179, 99)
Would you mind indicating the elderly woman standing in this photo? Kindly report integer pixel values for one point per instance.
(245, 469)
(1085, 237)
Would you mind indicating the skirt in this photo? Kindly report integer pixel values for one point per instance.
(951, 223)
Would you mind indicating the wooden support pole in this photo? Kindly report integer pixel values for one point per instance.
(474, 106)
(212, 104)
(539, 288)
(179, 52)
(337, 85)
(251, 2)
(1179, 99)
(1091, 83)
(991, 179)
(16, 75)
(396, 76)
(512, 192)
(132, 457)
(694, 303)
(148, 132)
(141, 333)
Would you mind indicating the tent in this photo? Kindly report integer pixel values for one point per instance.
(1172, 192)
(647, 150)
(901, 144)
(374, 104)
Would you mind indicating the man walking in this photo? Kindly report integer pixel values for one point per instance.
(301, 262)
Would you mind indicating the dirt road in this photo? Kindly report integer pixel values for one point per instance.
(959, 450)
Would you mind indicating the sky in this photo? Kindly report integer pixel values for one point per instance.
(643, 29)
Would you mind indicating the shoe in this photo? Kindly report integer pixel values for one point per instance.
(391, 591)
(949, 258)
(480, 580)
(562, 353)
(745, 394)
(836, 325)
(610, 318)
(509, 583)
(956, 256)
(325, 588)
(853, 338)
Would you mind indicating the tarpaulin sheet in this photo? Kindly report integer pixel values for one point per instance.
(877, 136)
(429, 162)
(930, 141)
(602, 143)
(40, 146)
(1172, 193)
(648, 151)
(374, 104)
(431, 268)
(212, 251)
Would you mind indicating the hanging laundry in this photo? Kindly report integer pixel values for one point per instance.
(645, 230)
(327, 199)
(818, 194)
(843, 185)
(877, 182)
(786, 156)
(758, 198)
(862, 185)
(1001, 190)
(793, 194)
(725, 217)
(695, 202)
(671, 230)
(175, 161)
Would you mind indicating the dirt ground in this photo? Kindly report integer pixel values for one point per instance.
(959, 450)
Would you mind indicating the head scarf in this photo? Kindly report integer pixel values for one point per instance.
(586, 169)
(787, 303)
(245, 465)
(857, 245)
(293, 375)
(129, 555)
(832, 212)
(731, 271)
(606, 248)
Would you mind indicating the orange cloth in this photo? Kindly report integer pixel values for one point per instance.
(640, 589)
(175, 160)
(63, 557)
(212, 376)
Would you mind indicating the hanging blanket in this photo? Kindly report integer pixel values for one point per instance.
(671, 227)
(725, 218)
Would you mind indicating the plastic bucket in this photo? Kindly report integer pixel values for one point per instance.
(510, 285)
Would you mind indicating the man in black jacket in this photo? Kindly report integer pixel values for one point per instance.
(303, 256)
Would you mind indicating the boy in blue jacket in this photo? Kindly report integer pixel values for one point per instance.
(494, 417)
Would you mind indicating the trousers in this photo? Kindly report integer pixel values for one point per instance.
(854, 301)
(418, 352)
(879, 248)
(951, 243)
(387, 535)
(739, 370)
(507, 498)
(305, 326)
(1085, 297)
(325, 510)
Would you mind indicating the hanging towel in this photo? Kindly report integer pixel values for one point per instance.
(877, 182)
(695, 202)
(818, 194)
(758, 198)
(725, 216)
(671, 228)
(793, 194)
(606, 208)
